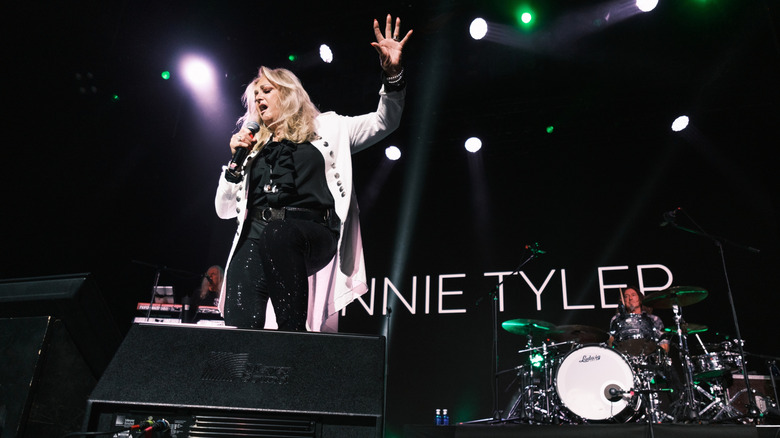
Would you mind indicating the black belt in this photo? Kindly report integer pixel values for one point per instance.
(268, 214)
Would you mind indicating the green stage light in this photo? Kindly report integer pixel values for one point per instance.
(292, 58)
(550, 129)
(536, 360)
(525, 16)
(166, 75)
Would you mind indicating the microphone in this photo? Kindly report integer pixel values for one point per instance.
(614, 393)
(234, 171)
(670, 217)
(534, 248)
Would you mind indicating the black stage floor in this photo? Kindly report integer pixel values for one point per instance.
(634, 430)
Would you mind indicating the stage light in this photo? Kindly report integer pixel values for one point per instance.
(550, 129)
(478, 28)
(473, 144)
(199, 75)
(524, 16)
(166, 75)
(326, 54)
(292, 57)
(680, 123)
(197, 71)
(393, 153)
(646, 5)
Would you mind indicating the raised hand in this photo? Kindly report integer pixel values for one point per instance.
(390, 46)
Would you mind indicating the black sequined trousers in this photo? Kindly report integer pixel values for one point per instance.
(276, 265)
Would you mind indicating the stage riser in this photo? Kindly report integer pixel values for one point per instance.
(592, 431)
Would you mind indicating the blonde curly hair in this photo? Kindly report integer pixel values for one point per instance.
(297, 112)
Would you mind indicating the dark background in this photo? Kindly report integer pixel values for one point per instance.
(122, 187)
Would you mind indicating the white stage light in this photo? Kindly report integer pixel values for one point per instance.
(478, 28)
(326, 54)
(473, 144)
(646, 5)
(197, 72)
(680, 123)
(393, 153)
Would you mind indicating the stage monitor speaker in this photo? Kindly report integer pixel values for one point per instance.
(207, 380)
(44, 380)
(75, 301)
(763, 395)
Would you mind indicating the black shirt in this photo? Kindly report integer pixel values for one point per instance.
(285, 174)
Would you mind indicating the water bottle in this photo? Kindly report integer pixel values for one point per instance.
(445, 418)
(439, 418)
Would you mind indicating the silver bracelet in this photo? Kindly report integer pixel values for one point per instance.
(395, 78)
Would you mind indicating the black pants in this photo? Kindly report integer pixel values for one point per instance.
(276, 265)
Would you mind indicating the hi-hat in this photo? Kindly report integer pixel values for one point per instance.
(679, 295)
(526, 327)
(583, 334)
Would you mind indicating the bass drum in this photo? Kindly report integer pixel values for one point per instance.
(584, 379)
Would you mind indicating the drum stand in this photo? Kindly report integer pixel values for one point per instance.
(652, 412)
(689, 409)
(645, 375)
(534, 401)
(717, 401)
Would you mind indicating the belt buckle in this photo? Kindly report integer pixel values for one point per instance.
(268, 214)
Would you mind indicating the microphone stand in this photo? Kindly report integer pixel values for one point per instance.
(752, 407)
(493, 295)
(158, 269)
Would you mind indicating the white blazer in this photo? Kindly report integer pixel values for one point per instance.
(344, 278)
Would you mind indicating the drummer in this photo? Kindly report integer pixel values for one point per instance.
(632, 300)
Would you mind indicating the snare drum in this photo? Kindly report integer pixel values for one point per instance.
(635, 335)
(584, 378)
(714, 365)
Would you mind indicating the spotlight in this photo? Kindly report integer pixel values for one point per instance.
(525, 17)
(197, 71)
(680, 123)
(478, 28)
(646, 5)
(326, 54)
(473, 144)
(393, 153)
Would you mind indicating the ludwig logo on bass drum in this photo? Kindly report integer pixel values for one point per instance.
(589, 358)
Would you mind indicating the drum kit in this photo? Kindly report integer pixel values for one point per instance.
(578, 374)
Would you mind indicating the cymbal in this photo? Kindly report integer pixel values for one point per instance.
(692, 328)
(680, 295)
(526, 327)
(696, 328)
(583, 334)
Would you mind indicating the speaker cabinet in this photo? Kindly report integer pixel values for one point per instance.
(44, 380)
(763, 394)
(252, 383)
(76, 302)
